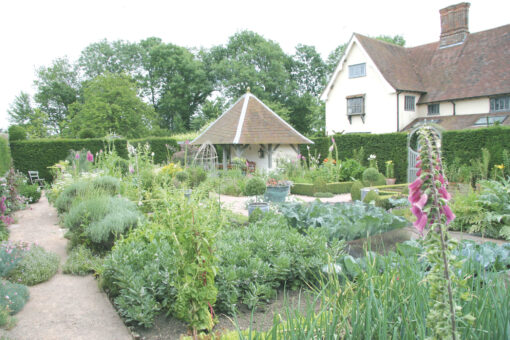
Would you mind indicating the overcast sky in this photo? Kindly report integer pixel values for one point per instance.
(33, 33)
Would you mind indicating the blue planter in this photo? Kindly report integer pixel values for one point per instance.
(277, 194)
(263, 206)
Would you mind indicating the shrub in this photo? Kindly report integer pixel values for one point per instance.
(107, 184)
(37, 265)
(81, 262)
(86, 134)
(356, 190)
(196, 176)
(257, 260)
(13, 296)
(171, 169)
(370, 176)
(339, 187)
(31, 191)
(320, 184)
(304, 189)
(5, 156)
(182, 176)
(98, 221)
(17, 132)
(350, 169)
(10, 255)
(255, 186)
(65, 199)
(256, 215)
(372, 195)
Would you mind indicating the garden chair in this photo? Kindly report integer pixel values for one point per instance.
(34, 178)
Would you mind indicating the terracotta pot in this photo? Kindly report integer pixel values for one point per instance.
(390, 181)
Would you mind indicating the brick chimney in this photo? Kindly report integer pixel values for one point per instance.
(454, 24)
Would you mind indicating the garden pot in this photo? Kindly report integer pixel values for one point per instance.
(263, 206)
(277, 194)
(390, 181)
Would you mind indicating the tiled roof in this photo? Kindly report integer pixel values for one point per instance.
(258, 124)
(478, 67)
(458, 122)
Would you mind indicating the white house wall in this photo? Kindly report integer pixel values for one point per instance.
(406, 117)
(380, 98)
(462, 107)
(251, 153)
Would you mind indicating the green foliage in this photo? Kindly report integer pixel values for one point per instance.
(86, 133)
(196, 175)
(98, 221)
(16, 133)
(372, 195)
(10, 255)
(13, 296)
(255, 186)
(31, 191)
(370, 176)
(5, 156)
(339, 187)
(254, 261)
(356, 190)
(305, 189)
(323, 194)
(39, 154)
(110, 104)
(82, 261)
(341, 221)
(351, 169)
(37, 265)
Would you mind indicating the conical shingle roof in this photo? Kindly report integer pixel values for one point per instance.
(250, 121)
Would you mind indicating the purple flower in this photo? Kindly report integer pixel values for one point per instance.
(77, 156)
(414, 196)
(131, 169)
(445, 194)
(416, 211)
(418, 164)
(450, 216)
(333, 140)
(90, 156)
(415, 185)
(421, 223)
(422, 201)
(331, 148)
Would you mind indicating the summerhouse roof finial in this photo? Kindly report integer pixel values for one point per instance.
(248, 90)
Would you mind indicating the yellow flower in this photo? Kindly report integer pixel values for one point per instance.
(500, 166)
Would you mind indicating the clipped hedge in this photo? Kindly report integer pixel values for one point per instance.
(389, 146)
(5, 156)
(467, 144)
(338, 188)
(39, 154)
(463, 144)
(307, 189)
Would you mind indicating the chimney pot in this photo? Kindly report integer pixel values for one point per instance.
(454, 24)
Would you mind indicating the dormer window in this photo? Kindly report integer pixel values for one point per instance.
(358, 70)
(500, 104)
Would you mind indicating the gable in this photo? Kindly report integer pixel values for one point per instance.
(353, 47)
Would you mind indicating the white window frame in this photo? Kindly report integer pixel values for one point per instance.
(357, 70)
(500, 104)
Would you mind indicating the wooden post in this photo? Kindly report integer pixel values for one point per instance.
(225, 150)
(269, 156)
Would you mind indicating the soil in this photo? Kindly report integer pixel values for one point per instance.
(65, 307)
(169, 328)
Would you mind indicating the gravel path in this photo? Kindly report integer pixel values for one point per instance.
(238, 204)
(65, 307)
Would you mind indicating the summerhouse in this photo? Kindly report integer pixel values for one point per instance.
(251, 130)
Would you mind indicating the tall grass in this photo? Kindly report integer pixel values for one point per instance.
(389, 300)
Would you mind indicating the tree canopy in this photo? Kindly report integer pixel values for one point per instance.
(148, 87)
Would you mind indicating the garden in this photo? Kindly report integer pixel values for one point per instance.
(164, 248)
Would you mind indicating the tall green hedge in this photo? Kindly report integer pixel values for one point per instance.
(389, 146)
(462, 144)
(5, 156)
(39, 154)
(467, 144)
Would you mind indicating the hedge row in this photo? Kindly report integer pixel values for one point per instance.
(389, 146)
(464, 145)
(39, 154)
(5, 156)
(307, 189)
